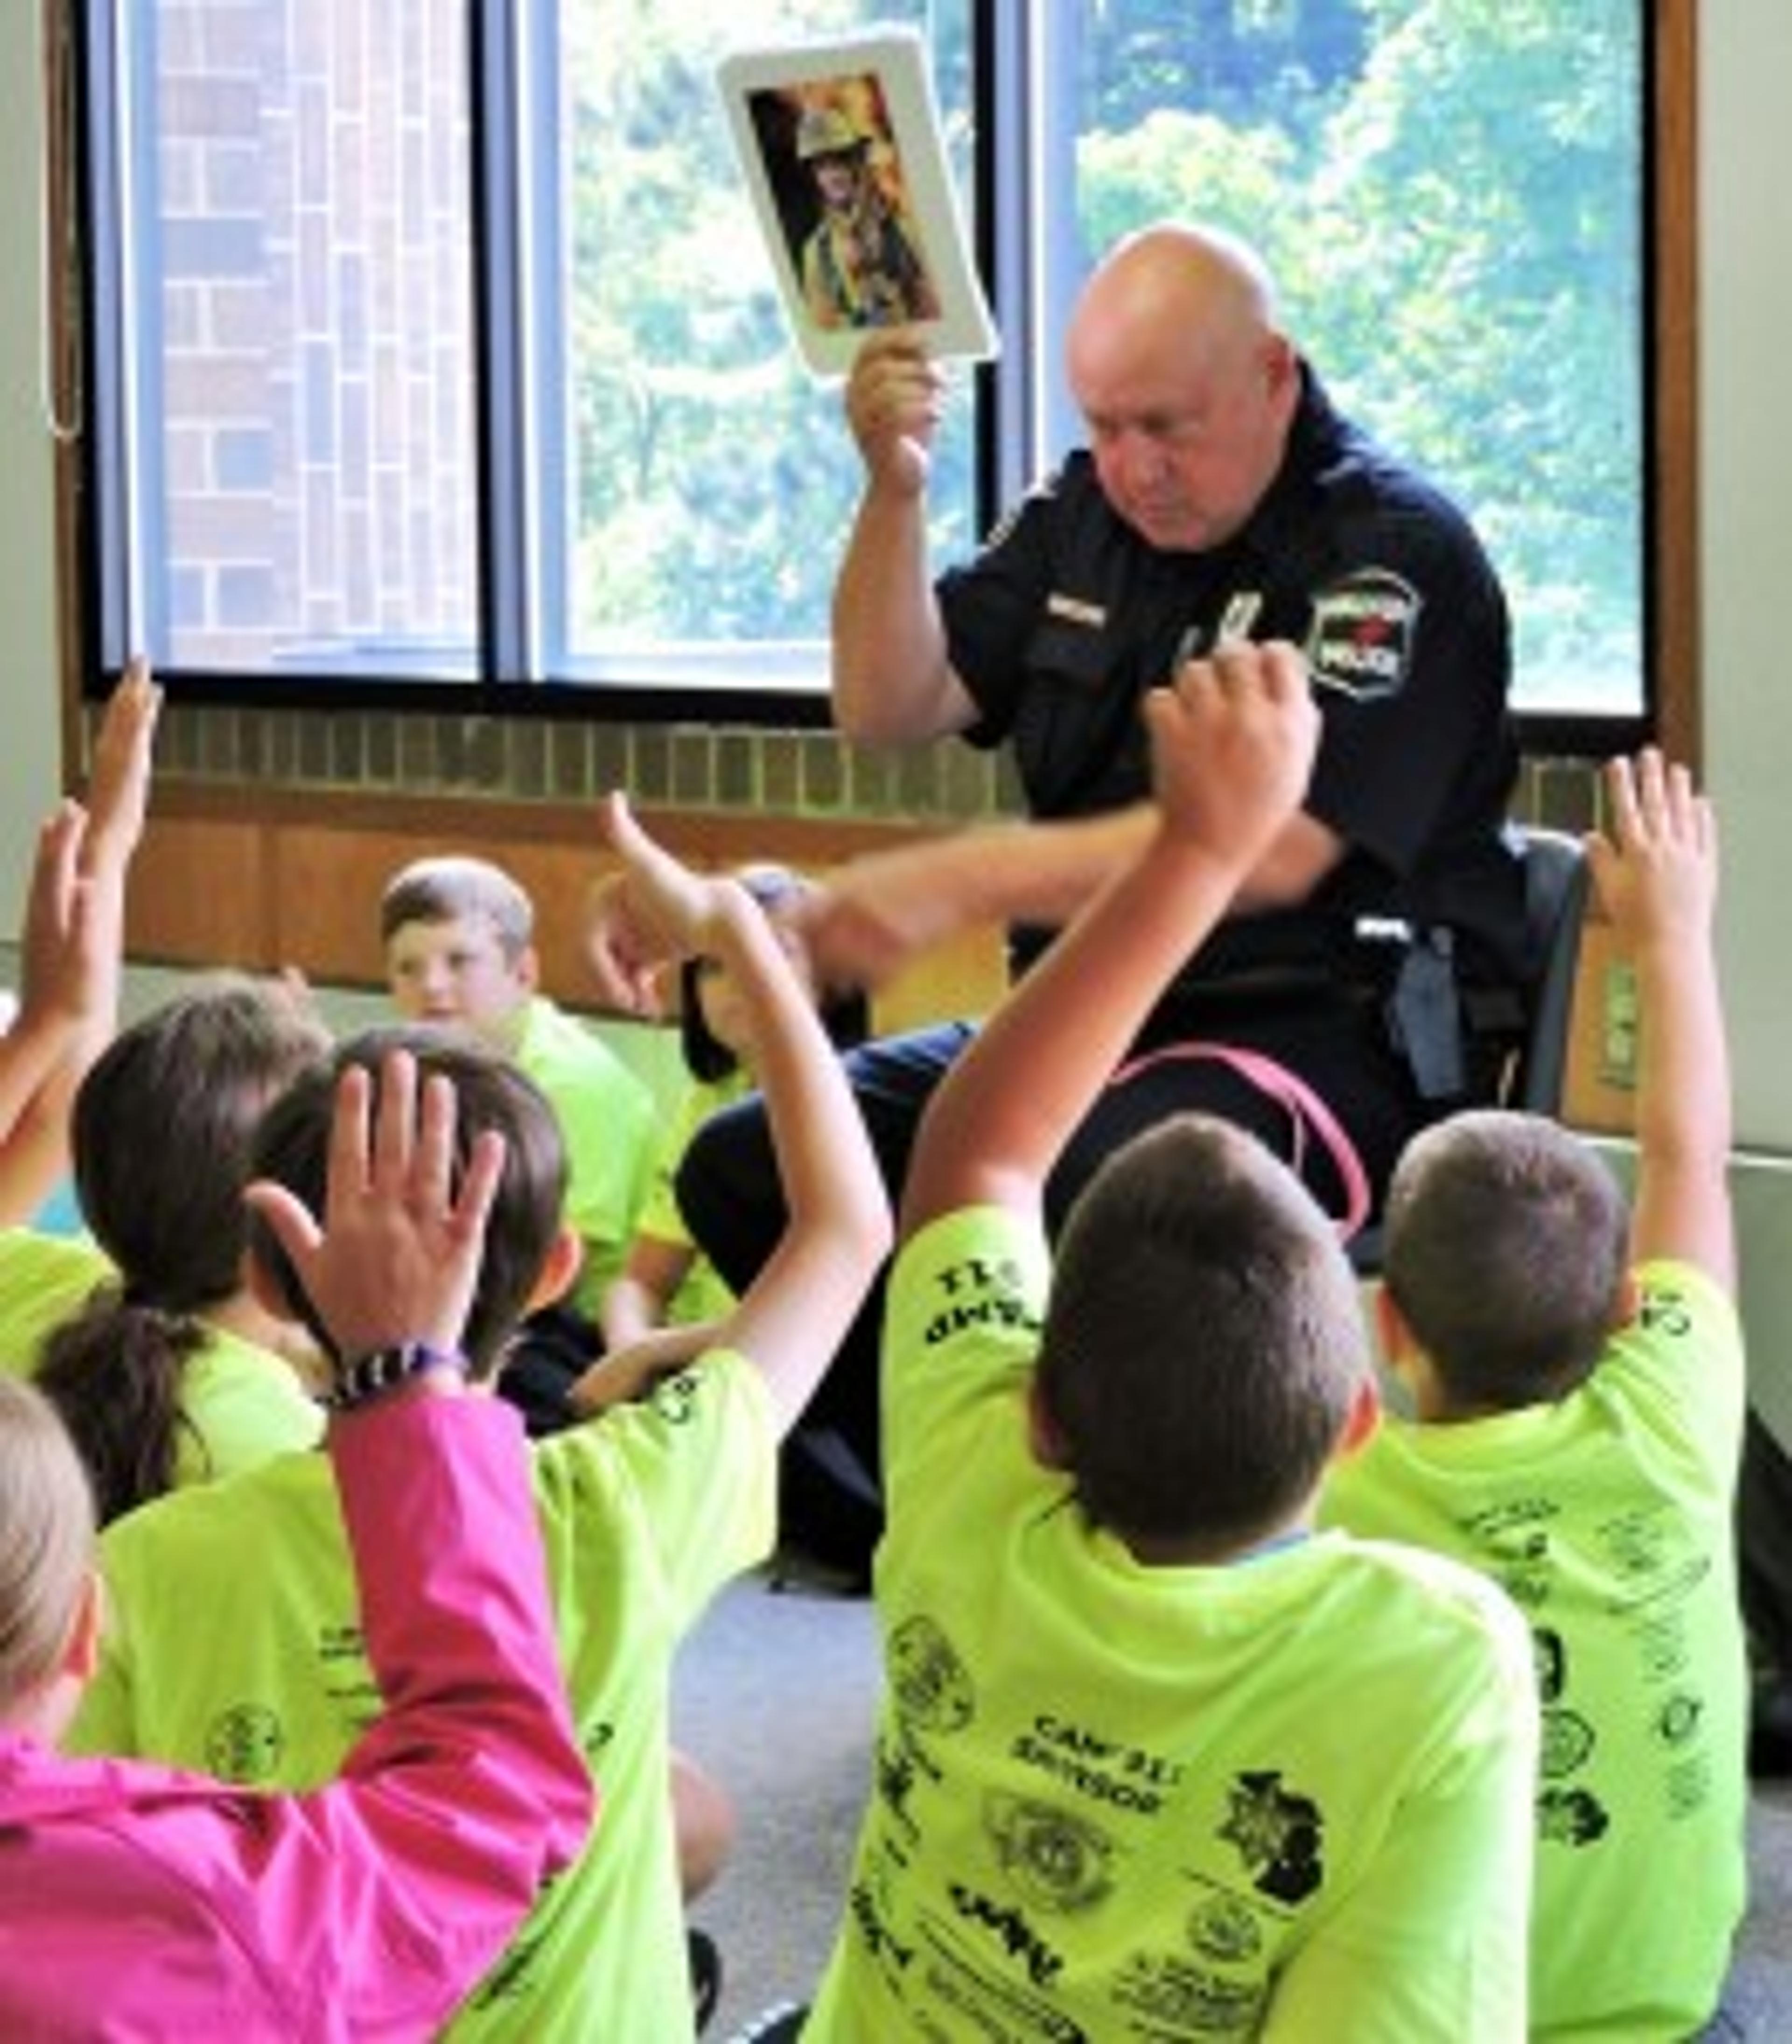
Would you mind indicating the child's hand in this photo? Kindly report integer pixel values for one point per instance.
(1232, 742)
(398, 1257)
(665, 911)
(1657, 872)
(118, 789)
(66, 970)
(627, 1375)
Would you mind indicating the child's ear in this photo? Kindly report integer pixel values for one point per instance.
(80, 1655)
(1393, 1330)
(558, 1268)
(1362, 1418)
(1627, 1302)
(528, 967)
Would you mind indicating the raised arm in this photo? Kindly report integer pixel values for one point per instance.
(387, 1893)
(1657, 877)
(72, 948)
(791, 1320)
(1233, 745)
(893, 682)
(873, 916)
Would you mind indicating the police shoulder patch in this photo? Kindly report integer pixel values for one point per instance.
(1361, 641)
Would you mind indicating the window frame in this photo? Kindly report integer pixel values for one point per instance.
(96, 485)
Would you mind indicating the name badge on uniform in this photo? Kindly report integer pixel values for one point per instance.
(1074, 610)
(1361, 641)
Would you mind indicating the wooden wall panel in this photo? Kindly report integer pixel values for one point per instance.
(294, 887)
(198, 894)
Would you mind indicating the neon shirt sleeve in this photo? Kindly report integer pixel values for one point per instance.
(606, 1122)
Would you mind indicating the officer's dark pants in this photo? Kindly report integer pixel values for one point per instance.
(1764, 1525)
(728, 1185)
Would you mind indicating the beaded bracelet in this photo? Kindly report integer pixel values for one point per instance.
(361, 1378)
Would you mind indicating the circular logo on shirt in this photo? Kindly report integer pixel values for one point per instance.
(1223, 1927)
(245, 1744)
(930, 1682)
(1678, 1718)
(1567, 1740)
(1057, 1861)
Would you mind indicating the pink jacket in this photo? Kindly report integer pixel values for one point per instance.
(137, 1901)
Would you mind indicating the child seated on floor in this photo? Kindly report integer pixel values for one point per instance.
(147, 1339)
(1577, 1378)
(656, 1312)
(1153, 1756)
(665, 1281)
(142, 1902)
(458, 940)
(646, 1510)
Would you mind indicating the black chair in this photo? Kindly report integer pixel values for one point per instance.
(1556, 885)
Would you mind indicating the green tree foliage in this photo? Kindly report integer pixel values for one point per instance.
(1449, 190)
(712, 477)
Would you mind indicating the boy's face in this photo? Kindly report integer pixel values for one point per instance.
(456, 971)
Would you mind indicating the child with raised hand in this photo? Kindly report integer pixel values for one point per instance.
(645, 1513)
(72, 949)
(459, 937)
(1577, 1375)
(143, 1902)
(664, 1282)
(147, 1339)
(1153, 1756)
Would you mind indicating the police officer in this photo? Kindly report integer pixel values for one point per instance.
(1219, 497)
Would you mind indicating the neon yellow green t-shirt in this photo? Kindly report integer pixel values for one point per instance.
(242, 1403)
(703, 1295)
(236, 1650)
(606, 1122)
(1286, 1798)
(1607, 1517)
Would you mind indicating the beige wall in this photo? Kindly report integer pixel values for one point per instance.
(1745, 161)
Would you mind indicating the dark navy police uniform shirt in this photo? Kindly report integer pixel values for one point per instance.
(1067, 616)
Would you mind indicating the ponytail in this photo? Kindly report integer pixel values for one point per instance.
(113, 1373)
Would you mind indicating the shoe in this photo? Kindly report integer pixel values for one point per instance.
(1770, 1731)
(706, 1976)
(782, 2024)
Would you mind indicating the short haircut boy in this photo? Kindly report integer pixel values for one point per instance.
(1152, 1758)
(444, 887)
(1478, 1210)
(1213, 1420)
(1578, 1385)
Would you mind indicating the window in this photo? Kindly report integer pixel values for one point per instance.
(431, 346)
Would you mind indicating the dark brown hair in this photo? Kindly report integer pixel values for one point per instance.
(1203, 1341)
(1506, 1247)
(292, 1148)
(161, 1130)
(845, 1015)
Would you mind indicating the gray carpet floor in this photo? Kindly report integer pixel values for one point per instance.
(775, 1694)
